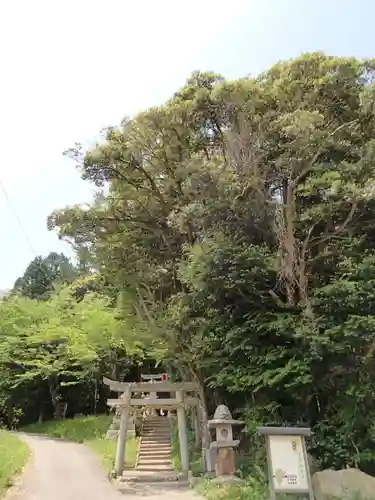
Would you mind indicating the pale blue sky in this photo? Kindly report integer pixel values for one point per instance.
(72, 67)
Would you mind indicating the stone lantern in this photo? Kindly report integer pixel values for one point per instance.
(225, 465)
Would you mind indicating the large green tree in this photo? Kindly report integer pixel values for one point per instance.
(236, 217)
(43, 274)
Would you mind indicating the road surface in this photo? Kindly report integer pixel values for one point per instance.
(59, 470)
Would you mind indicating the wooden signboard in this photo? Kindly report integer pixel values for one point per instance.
(288, 467)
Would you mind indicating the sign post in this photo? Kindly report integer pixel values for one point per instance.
(288, 467)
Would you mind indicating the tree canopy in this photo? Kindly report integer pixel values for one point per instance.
(43, 274)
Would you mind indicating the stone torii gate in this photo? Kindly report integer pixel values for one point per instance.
(127, 402)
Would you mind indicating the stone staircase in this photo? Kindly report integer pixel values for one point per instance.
(155, 448)
(154, 462)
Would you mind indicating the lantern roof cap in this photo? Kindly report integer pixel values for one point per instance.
(223, 416)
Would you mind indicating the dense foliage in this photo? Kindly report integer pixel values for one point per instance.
(234, 231)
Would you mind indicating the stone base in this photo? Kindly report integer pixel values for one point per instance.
(227, 480)
(152, 476)
(209, 457)
(113, 434)
(210, 474)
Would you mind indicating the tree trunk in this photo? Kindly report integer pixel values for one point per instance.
(53, 386)
(10, 412)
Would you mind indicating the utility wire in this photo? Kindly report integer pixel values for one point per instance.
(15, 213)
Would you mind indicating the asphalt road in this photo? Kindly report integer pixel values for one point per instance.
(59, 470)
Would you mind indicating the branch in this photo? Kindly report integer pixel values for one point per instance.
(338, 230)
(310, 166)
(151, 181)
(307, 239)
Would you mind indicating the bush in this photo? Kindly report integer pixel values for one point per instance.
(252, 488)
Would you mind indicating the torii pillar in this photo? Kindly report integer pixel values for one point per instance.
(121, 441)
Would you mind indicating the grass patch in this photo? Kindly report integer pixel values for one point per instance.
(89, 431)
(106, 451)
(251, 488)
(195, 455)
(78, 430)
(14, 454)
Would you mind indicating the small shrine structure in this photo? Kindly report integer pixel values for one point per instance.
(154, 378)
(130, 401)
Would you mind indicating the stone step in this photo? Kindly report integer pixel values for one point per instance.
(164, 441)
(155, 450)
(150, 418)
(151, 439)
(157, 459)
(156, 426)
(156, 434)
(155, 453)
(149, 425)
(156, 429)
(142, 486)
(155, 468)
(156, 438)
(142, 458)
(153, 436)
(152, 476)
(152, 444)
(148, 458)
(156, 421)
(162, 423)
(144, 462)
(155, 444)
(155, 447)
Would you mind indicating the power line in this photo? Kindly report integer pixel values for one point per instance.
(15, 213)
